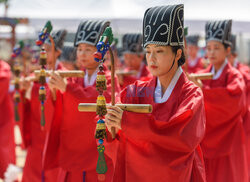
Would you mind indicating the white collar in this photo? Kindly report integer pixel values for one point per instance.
(218, 73)
(140, 70)
(236, 61)
(90, 82)
(56, 64)
(158, 93)
(192, 63)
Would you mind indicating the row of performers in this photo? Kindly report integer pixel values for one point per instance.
(198, 130)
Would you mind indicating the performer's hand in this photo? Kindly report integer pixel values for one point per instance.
(57, 82)
(25, 84)
(194, 80)
(113, 118)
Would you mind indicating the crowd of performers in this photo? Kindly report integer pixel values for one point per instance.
(198, 130)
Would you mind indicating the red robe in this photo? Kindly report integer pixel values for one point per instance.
(71, 143)
(145, 75)
(7, 143)
(245, 71)
(224, 144)
(162, 146)
(193, 69)
(34, 136)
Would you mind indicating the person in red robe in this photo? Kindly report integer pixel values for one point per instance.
(134, 60)
(194, 63)
(117, 61)
(245, 71)
(32, 132)
(68, 58)
(224, 145)
(7, 142)
(71, 144)
(165, 144)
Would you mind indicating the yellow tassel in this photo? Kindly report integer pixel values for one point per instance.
(17, 83)
(42, 77)
(101, 81)
(101, 106)
(43, 57)
(42, 93)
(17, 97)
(100, 132)
(17, 70)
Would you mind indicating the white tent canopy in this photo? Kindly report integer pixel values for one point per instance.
(194, 9)
(126, 15)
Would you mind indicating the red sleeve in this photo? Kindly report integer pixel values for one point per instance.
(77, 92)
(52, 141)
(4, 80)
(224, 107)
(235, 84)
(89, 94)
(162, 143)
(245, 71)
(183, 132)
(80, 92)
(127, 80)
(25, 120)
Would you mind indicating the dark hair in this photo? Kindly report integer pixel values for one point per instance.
(182, 60)
(226, 46)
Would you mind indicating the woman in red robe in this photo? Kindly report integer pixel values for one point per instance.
(71, 143)
(245, 71)
(134, 60)
(32, 132)
(194, 63)
(224, 145)
(164, 145)
(7, 143)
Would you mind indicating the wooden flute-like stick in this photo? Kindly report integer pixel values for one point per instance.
(137, 108)
(72, 73)
(64, 74)
(53, 91)
(202, 76)
(121, 72)
(113, 132)
(27, 78)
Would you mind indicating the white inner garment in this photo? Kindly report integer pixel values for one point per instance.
(91, 81)
(193, 63)
(140, 70)
(218, 73)
(158, 91)
(236, 61)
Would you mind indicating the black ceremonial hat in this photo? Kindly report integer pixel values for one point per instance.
(68, 53)
(193, 39)
(219, 31)
(89, 31)
(58, 38)
(233, 42)
(132, 43)
(163, 25)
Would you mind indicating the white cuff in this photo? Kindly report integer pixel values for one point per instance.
(28, 92)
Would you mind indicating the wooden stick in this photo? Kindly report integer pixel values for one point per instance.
(202, 76)
(64, 74)
(113, 132)
(53, 91)
(28, 78)
(121, 72)
(137, 108)
(72, 73)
